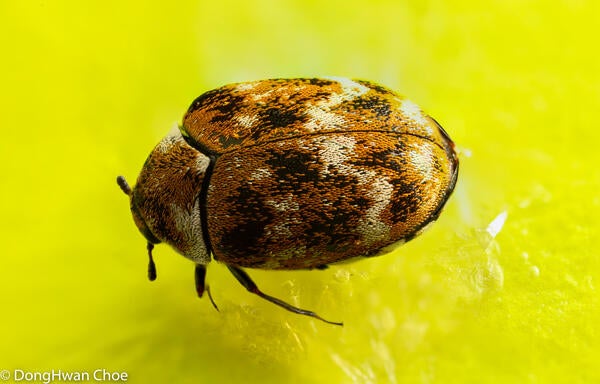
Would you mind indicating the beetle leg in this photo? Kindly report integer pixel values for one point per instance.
(199, 277)
(151, 265)
(247, 282)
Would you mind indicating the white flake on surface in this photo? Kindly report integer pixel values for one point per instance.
(496, 225)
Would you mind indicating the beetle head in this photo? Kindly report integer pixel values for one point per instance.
(165, 202)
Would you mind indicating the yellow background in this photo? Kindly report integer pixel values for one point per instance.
(89, 87)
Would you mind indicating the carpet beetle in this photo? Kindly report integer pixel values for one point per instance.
(293, 174)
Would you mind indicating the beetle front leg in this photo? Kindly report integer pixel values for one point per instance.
(247, 282)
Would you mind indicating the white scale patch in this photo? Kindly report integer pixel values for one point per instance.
(372, 227)
(414, 113)
(170, 139)
(245, 87)
(319, 118)
(350, 88)
(422, 160)
(260, 174)
(319, 115)
(287, 206)
(188, 224)
(202, 162)
(247, 121)
(334, 152)
(260, 96)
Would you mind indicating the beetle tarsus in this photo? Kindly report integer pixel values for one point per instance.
(211, 298)
(151, 265)
(247, 282)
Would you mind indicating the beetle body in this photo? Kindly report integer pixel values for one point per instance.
(295, 174)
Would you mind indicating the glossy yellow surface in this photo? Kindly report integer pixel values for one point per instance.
(503, 288)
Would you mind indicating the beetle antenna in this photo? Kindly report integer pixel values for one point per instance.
(151, 265)
(124, 185)
(247, 282)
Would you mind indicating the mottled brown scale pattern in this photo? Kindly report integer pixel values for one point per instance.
(312, 201)
(293, 174)
(312, 171)
(258, 112)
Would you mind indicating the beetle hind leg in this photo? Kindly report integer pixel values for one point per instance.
(247, 282)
